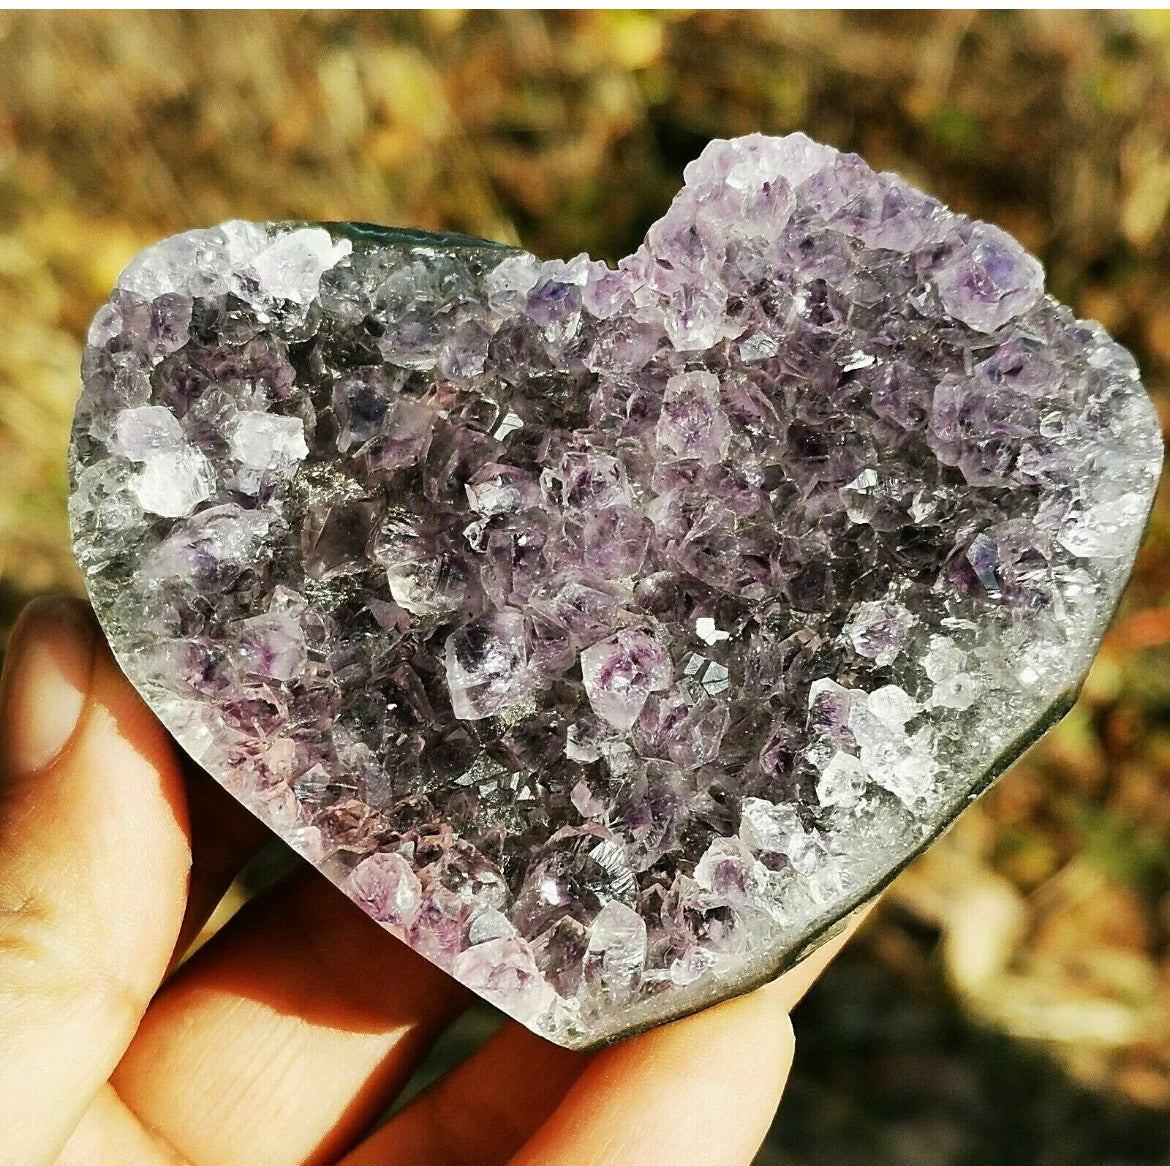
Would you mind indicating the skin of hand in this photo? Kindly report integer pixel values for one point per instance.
(281, 1041)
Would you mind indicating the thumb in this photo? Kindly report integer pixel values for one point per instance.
(93, 865)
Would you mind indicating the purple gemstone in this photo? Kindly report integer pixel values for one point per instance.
(386, 885)
(620, 673)
(608, 634)
(487, 665)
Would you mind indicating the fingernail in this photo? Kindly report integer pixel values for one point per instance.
(46, 682)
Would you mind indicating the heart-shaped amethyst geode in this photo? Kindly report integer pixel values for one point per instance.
(609, 635)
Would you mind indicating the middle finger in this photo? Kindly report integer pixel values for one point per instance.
(283, 1038)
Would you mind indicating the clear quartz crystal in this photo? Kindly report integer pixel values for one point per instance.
(610, 634)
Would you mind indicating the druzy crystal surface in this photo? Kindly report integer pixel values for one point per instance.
(609, 634)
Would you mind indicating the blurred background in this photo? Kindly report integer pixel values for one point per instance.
(1010, 1002)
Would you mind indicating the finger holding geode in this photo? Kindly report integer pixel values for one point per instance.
(609, 635)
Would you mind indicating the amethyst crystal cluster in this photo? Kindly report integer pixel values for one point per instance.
(608, 635)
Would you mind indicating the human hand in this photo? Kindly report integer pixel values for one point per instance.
(282, 1040)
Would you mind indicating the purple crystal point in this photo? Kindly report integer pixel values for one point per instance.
(620, 673)
(608, 635)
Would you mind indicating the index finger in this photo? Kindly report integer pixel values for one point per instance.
(94, 859)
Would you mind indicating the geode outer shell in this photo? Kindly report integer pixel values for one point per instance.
(609, 635)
